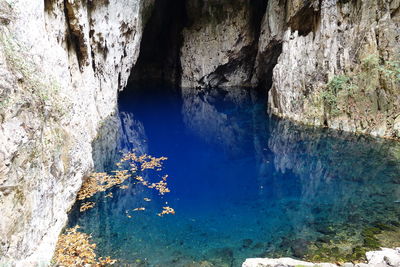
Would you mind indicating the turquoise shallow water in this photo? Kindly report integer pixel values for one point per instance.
(242, 185)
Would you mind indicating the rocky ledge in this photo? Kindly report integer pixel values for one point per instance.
(383, 257)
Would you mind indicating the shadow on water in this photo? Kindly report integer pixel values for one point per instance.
(242, 184)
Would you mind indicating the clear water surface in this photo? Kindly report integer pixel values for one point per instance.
(244, 185)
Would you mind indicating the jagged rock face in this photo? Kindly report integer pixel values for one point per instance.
(324, 62)
(219, 43)
(349, 44)
(61, 65)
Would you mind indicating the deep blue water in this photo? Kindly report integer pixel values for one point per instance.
(242, 184)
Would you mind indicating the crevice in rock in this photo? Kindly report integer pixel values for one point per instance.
(48, 6)
(70, 39)
(306, 20)
(76, 34)
(221, 75)
(266, 63)
(257, 12)
(244, 60)
(159, 58)
(395, 13)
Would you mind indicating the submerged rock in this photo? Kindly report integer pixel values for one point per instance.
(299, 247)
(221, 256)
(247, 243)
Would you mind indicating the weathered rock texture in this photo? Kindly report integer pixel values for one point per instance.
(382, 258)
(351, 45)
(61, 66)
(330, 63)
(219, 42)
(325, 62)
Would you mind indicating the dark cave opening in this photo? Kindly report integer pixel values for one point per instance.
(158, 63)
(306, 20)
(266, 63)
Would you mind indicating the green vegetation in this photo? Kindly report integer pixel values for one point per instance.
(345, 90)
(351, 247)
(369, 239)
(391, 69)
(338, 84)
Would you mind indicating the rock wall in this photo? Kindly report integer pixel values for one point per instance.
(339, 65)
(332, 63)
(219, 42)
(62, 63)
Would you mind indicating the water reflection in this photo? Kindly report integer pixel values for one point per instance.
(220, 117)
(118, 134)
(346, 183)
(244, 185)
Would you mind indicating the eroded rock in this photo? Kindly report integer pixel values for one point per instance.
(348, 43)
(61, 66)
(219, 43)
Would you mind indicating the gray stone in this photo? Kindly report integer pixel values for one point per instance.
(282, 262)
(335, 45)
(54, 94)
(385, 256)
(382, 258)
(63, 62)
(218, 46)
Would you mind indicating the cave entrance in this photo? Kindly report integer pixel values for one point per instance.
(158, 67)
(158, 63)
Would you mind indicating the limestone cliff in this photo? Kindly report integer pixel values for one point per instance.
(62, 63)
(331, 63)
(339, 66)
(219, 42)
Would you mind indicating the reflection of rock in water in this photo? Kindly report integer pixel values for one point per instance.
(217, 116)
(346, 182)
(132, 135)
(118, 133)
(110, 215)
(319, 157)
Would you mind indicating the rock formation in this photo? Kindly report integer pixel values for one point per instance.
(331, 63)
(383, 258)
(219, 43)
(339, 65)
(61, 66)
